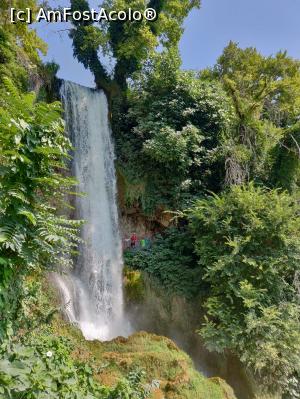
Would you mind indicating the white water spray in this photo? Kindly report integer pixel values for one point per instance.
(93, 291)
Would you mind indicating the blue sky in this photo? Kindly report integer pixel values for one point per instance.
(268, 25)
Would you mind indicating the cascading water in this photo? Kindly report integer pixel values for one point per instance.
(92, 292)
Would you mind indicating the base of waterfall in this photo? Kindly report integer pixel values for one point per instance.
(93, 325)
(92, 331)
(96, 330)
(103, 332)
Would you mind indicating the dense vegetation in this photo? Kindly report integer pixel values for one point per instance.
(43, 359)
(240, 119)
(221, 148)
(245, 236)
(171, 261)
(35, 235)
(218, 149)
(247, 241)
(170, 141)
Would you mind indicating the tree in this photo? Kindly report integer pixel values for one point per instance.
(247, 241)
(169, 134)
(130, 44)
(19, 47)
(266, 95)
(28, 41)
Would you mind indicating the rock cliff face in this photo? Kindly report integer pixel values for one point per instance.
(132, 219)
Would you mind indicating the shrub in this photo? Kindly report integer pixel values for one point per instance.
(33, 154)
(43, 368)
(170, 260)
(247, 241)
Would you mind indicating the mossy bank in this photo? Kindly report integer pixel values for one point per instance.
(168, 370)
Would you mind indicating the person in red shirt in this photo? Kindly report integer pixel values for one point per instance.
(133, 240)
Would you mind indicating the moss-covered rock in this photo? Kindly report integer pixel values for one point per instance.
(162, 360)
(168, 370)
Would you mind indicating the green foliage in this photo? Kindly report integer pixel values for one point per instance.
(19, 46)
(247, 240)
(29, 44)
(33, 160)
(43, 367)
(183, 134)
(178, 134)
(171, 261)
(129, 44)
(33, 153)
(134, 286)
(168, 136)
(258, 83)
(49, 91)
(38, 362)
(285, 172)
(8, 65)
(265, 92)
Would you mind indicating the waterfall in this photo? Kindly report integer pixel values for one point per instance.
(92, 291)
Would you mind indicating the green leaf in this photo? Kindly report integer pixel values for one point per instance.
(29, 215)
